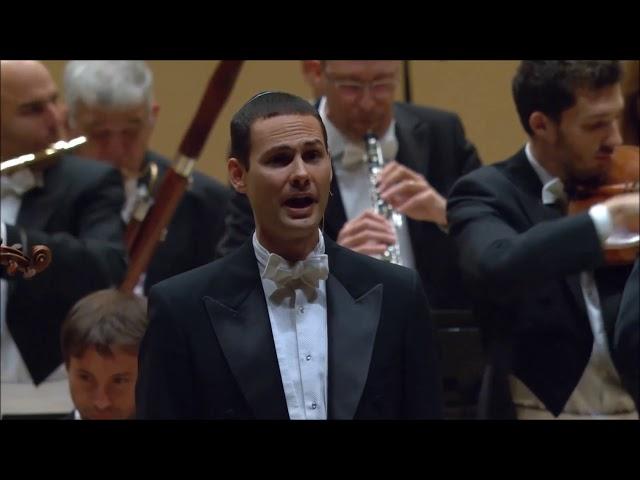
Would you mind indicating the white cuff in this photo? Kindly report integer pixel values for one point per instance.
(601, 220)
(443, 228)
(3, 233)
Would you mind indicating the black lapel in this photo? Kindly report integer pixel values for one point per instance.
(240, 320)
(353, 316)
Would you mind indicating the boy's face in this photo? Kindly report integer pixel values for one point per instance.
(103, 387)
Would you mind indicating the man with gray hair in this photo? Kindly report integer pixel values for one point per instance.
(112, 104)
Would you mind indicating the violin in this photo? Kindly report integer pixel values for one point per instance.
(623, 176)
(15, 261)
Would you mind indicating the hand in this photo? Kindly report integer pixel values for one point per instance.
(409, 193)
(624, 210)
(369, 234)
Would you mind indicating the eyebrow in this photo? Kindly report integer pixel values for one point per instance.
(605, 115)
(350, 76)
(131, 122)
(37, 102)
(285, 147)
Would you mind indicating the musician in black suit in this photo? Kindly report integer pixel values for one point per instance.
(426, 151)
(290, 325)
(72, 207)
(111, 103)
(546, 302)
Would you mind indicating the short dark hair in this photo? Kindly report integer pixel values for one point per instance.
(104, 319)
(549, 86)
(262, 106)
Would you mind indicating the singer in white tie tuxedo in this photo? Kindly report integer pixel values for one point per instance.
(290, 325)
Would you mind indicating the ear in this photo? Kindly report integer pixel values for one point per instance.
(311, 68)
(237, 175)
(312, 71)
(542, 126)
(155, 110)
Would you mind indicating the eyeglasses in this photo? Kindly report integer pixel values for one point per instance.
(380, 89)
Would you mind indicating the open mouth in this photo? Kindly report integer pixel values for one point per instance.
(299, 202)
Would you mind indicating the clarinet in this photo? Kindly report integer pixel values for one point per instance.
(375, 161)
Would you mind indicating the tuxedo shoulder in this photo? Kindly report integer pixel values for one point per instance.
(78, 176)
(361, 272)
(199, 281)
(484, 177)
(189, 280)
(84, 168)
(484, 173)
(210, 187)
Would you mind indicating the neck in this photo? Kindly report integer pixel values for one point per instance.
(545, 157)
(135, 172)
(292, 250)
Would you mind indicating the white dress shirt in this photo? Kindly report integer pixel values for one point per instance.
(298, 319)
(599, 393)
(353, 177)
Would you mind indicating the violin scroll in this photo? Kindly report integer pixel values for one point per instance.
(15, 261)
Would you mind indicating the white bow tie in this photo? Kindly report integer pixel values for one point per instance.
(309, 271)
(19, 183)
(553, 192)
(355, 154)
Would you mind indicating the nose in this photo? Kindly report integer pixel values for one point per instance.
(366, 100)
(300, 175)
(114, 150)
(615, 137)
(54, 117)
(101, 400)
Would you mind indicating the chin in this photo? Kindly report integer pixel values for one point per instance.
(100, 417)
(110, 415)
(300, 227)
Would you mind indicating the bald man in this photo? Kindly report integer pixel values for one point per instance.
(73, 207)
